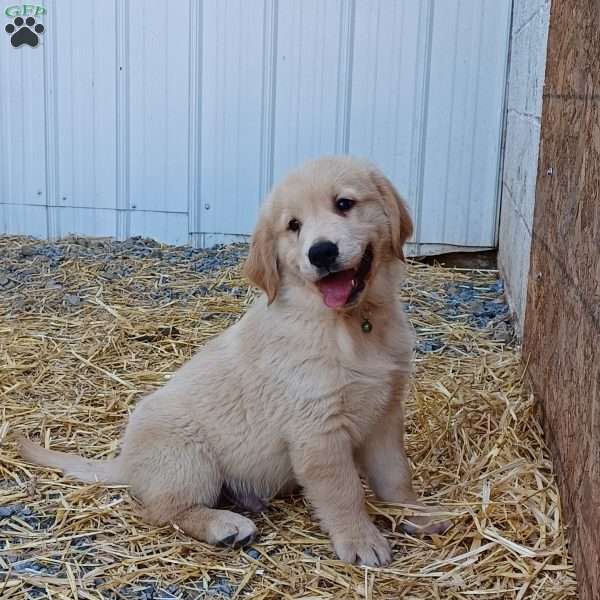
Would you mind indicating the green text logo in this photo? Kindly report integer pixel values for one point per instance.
(25, 10)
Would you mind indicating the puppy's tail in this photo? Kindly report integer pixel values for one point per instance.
(77, 467)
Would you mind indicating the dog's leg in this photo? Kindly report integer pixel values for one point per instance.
(216, 526)
(326, 470)
(187, 504)
(383, 459)
(178, 479)
(185, 499)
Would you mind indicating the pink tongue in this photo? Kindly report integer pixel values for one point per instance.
(336, 288)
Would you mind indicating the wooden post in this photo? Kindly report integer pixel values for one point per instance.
(562, 325)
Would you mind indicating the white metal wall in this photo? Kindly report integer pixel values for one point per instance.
(172, 120)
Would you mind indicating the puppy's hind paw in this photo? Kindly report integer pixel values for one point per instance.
(232, 530)
(426, 524)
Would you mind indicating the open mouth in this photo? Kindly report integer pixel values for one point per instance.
(342, 288)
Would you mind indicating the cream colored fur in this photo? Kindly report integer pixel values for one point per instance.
(294, 391)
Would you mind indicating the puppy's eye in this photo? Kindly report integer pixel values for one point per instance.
(294, 225)
(344, 204)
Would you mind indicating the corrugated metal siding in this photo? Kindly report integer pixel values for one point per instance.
(173, 121)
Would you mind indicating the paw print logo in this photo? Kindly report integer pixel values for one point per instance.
(24, 32)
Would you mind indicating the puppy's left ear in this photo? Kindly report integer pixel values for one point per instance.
(261, 265)
(397, 212)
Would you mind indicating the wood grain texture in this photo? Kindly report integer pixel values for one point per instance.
(562, 325)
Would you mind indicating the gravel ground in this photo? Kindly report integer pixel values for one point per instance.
(28, 265)
(478, 304)
(24, 264)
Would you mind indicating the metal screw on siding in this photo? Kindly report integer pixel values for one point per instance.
(64, 198)
(39, 192)
(550, 172)
(207, 206)
(133, 207)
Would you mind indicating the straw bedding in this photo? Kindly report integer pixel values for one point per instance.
(89, 325)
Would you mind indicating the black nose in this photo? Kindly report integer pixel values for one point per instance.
(323, 254)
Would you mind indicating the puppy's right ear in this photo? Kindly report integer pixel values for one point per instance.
(261, 265)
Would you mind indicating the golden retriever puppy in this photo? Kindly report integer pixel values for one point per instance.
(307, 387)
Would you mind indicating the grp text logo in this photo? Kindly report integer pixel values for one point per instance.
(25, 10)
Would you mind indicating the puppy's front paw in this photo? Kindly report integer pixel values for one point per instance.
(362, 544)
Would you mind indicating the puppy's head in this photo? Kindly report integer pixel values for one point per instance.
(328, 226)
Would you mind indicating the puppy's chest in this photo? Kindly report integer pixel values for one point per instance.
(367, 379)
(370, 379)
(369, 358)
